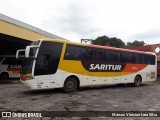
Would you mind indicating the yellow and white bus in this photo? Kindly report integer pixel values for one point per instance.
(68, 65)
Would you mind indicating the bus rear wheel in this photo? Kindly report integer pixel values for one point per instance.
(70, 85)
(137, 81)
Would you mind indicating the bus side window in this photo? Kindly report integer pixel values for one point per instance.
(113, 56)
(127, 57)
(150, 59)
(137, 58)
(140, 58)
(147, 59)
(90, 53)
(70, 53)
(100, 55)
(143, 59)
(81, 53)
(130, 58)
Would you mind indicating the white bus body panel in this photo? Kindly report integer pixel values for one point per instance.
(57, 80)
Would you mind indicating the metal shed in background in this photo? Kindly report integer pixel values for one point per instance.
(16, 35)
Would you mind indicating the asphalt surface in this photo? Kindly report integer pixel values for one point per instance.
(15, 97)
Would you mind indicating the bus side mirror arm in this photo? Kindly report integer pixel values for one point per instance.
(27, 51)
(18, 51)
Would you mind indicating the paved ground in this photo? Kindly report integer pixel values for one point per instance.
(15, 97)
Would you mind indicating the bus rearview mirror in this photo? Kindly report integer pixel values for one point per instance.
(27, 51)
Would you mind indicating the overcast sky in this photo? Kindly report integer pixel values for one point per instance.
(128, 20)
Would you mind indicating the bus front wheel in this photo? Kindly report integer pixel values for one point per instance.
(137, 81)
(70, 85)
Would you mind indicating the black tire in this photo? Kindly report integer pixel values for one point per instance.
(70, 85)
(4, 76)
(137, 81)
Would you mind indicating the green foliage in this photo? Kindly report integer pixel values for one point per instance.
(114, 42)
(102, 40)
(135, 43)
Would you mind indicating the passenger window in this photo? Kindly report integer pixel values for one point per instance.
(140, 58)
(137, 58)
(147, 59)
(127, 57)
(70, 53)
(90, 53)
(131, 58)
(143, 59)
(100, 55)
(150, 59)
(81, 53)
(106, 55)
(113, 55)
(75, 52)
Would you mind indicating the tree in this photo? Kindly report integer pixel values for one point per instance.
(102, 40)
(135, 43)
(114, 42)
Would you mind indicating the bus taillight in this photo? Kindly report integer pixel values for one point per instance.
(25, 77)
(22, 77)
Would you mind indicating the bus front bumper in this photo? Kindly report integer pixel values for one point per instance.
(31, 83)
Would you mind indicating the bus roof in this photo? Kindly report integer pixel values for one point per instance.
(121, 49)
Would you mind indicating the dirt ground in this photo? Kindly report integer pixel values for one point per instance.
(15, 97)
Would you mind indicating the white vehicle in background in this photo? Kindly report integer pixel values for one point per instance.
(9, 67)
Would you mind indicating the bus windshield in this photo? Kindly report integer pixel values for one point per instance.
(27, 66)
(28, 62)
(32, 53)
(33, 50)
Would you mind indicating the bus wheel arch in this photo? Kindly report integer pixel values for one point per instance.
(71, 84)
(137, 80)
(4, 76)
